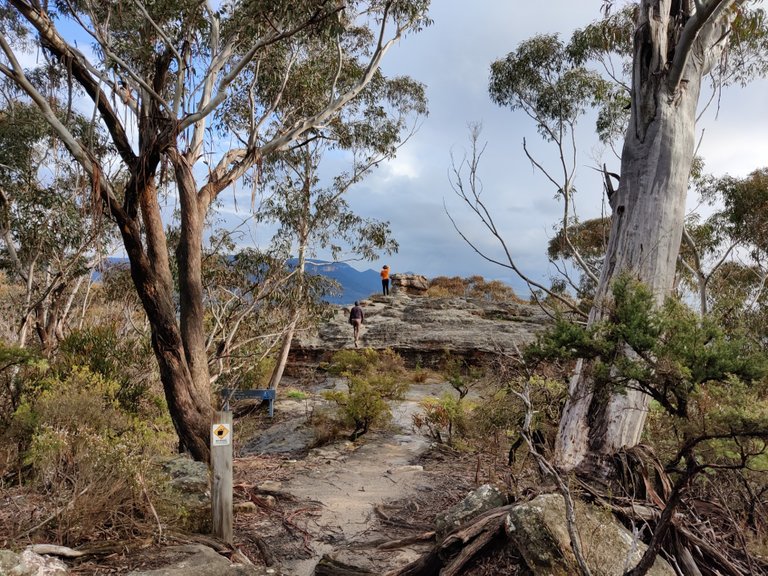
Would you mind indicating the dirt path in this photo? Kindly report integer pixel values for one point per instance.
(346, 482)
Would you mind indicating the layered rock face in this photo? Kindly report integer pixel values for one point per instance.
(424, 329)
(411, 284)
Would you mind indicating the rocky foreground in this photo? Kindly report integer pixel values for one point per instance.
(391, 503)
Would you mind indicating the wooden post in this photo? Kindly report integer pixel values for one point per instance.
(221, 477)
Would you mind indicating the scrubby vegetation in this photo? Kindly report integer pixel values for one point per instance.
(705, 450)
(472, 287)
(372, 379)
(83, 438)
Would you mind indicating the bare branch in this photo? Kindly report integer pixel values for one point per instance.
(550, 470)
(705, 14)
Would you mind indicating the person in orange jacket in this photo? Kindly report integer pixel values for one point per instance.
(385, 280)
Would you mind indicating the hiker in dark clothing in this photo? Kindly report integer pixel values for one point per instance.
(356, 318)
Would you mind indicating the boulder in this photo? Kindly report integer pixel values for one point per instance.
(539, 532)
(485, 498)
(190, 481)
(199, 560)
(188, 475)
(29, 563)
(413, 284)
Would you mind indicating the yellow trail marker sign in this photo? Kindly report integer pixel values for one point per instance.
(221, 434)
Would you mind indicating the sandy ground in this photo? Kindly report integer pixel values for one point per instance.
(345, 498)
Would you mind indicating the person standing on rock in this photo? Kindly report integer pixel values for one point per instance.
(385, 280)
(356, 318)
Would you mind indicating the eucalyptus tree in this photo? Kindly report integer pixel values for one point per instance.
(196, 94)
(540, 79)
(657, 54)
(49, 240)
(312, 210)
(727, 253)
(675, 45)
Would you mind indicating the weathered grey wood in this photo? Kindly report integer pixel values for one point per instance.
(221, 480)
(648, 209)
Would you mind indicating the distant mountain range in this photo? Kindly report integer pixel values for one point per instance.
(355, 285)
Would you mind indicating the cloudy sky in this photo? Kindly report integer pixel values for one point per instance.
(452, 58)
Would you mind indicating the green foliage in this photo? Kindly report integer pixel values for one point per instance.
(460, 374)
(361, 407)
(91, 459)
(20, 369)
(445, 418)
(669, 352)
(353, 361)
(372, 379)
(541, 79)
(294, 394)
(257, 375)
(118, 358)
(367, 362)
(501, 415)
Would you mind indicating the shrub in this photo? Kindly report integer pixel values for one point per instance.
(372, 378)
(258, 375)
(443, 286)
(474, 287)
(461, 375)
(444, 418)
(361, 407)
(20, 369)
(128, 362)
(89, 458)
(420, 375)
(347, 362)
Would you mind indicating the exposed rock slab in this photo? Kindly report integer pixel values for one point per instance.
(540, 534)
(198, 560)
(413, 284)
(29, 563)
(422, 329)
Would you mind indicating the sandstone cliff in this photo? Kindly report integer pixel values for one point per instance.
(422, 329)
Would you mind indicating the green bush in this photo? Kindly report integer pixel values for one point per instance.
(445, 418)
(372, 378)
(361, 407)
(20, 370)
(129, 362)
(347, 362)
(89, 458)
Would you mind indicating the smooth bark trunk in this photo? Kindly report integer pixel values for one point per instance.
(648, 214)
(282, 359)
(185, 384)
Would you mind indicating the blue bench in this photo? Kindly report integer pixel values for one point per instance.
(228, 394)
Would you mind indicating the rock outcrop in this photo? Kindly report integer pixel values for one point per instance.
(198, 560)
(424, 329)
(485, 498)
(411, 284)
(28, 563)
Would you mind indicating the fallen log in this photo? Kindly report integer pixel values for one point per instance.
(331, 567)
(449, 557)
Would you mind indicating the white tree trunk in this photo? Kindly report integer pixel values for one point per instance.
(648, 209)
